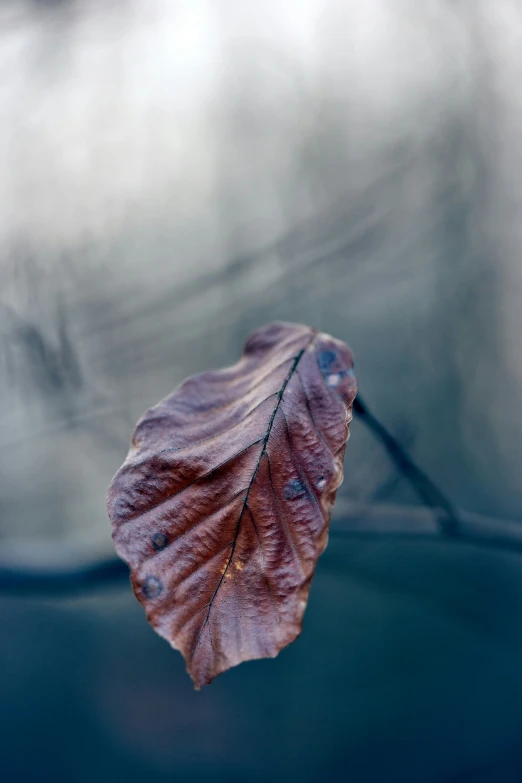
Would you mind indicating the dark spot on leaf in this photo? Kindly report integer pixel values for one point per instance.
(325, 361)
(151, 587)
(333, 376)
(159, 541)
(294, 489)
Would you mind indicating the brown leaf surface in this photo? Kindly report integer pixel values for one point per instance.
(222, 506)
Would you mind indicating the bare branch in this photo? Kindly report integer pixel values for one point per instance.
(49, 570)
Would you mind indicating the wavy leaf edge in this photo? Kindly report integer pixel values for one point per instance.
(151, 523)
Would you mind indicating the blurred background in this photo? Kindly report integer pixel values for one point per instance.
(176, 173)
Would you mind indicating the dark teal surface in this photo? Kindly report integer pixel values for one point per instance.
(408, 669)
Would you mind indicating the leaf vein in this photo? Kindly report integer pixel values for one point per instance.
(191, 484)
(301, 472)
(195, 525)
(279, 513)
(308, 408)
(276, 610)
(175, 449)
(263, 452)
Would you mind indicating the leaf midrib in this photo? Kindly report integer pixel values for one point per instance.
(292, 370)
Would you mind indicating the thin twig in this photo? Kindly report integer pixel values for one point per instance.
(418, 523)
(61, 580)
(427, 491)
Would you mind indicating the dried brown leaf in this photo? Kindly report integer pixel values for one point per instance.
(222, 506)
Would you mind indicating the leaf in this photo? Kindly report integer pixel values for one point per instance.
(222, 506)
